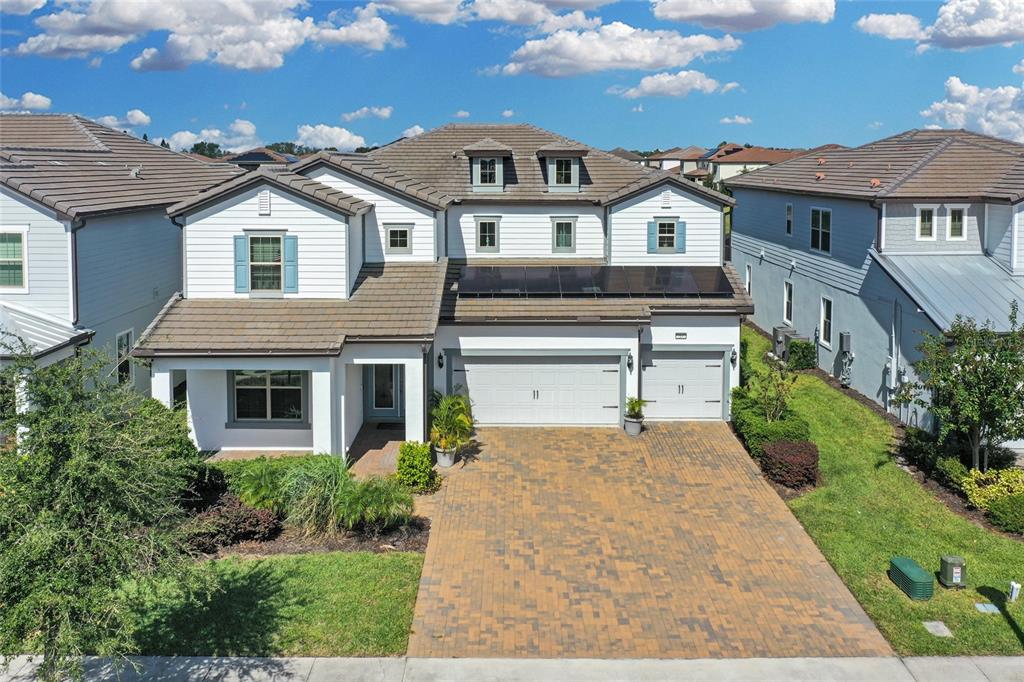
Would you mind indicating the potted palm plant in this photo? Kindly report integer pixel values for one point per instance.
(634, 419)
(451, 426)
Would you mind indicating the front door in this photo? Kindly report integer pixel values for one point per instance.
(382, 392)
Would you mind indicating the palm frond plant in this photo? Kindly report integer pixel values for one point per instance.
(451, 426)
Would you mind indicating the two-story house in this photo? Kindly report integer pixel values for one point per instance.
(546, 278)
(87, 252)
(679, 159)
(863, 249)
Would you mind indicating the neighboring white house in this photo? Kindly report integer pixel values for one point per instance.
(679, 159)
(87, 252)
(547, 279)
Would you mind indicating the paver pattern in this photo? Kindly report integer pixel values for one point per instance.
(574, 542)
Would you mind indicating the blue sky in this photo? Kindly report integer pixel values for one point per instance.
(802, 72)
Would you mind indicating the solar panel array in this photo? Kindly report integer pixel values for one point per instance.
(575, 281)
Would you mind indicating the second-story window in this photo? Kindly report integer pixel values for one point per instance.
(563, 171)
(789, 218)
(488, 171)
(956, 223)
(265, 264)
(821, 230)
(666, 235)
(564, 238)
(926, 223)
(12, 260)
(399, 239)
(486, 235)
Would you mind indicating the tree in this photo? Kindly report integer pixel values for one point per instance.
(90, 499)
(972, 380)
(209, 149)
(291, 148)
(145, 137)
(164, 144)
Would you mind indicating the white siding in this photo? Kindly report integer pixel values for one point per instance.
(388, 208)
(999, 234)
(724, 171)
(209, 244)
(1019, 242)
(49, 281)
(525, 231)
(703, 229)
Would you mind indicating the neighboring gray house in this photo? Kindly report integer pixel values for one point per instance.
(87, 253)
(883, 242)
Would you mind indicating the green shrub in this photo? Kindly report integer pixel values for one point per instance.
(756, 431)
(801, 355)
(236, 470)
(415, 467)
(377, 505)
(1007, 513)
(229, 522)
(950, 472)
(792, 464)
(320, 495)
(771, 391)
(984, 488)
(921, 449)
(746, 369)
(261, 485)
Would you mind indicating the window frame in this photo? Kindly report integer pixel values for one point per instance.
(963, 223)
(789, 219)
(234, 422)
(788, 294)
(395, 227)
(478, 220)
(279, 236)
(555, 220)
(124, 360)
(558, 160)
(480, 171)
(918, 210)
(22, 231)
(826, 342)
(658, 222)
(810, 242)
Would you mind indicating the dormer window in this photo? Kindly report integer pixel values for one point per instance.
(563, 172)
(562, 165)
(487, 160)
(488, 171)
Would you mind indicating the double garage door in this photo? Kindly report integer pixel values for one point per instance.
(586, 390)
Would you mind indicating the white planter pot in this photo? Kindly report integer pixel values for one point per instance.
(633, 426)
(445, 458)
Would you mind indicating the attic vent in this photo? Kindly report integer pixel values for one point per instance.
(821, 160)
(666, 199)
(875, 182)
(819, 177)
(264, 201)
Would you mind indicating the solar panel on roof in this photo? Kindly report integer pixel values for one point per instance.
(476, 281)
(576, 280)
(541, 281)
(711, 281)
(643, 281)
(678, 282)
(612, 281)
(511, 281)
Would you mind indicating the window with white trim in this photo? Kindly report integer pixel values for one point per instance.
(825, 323)
(123, 345)
(821, 230)
(787, 302)
(666, 235)
(265, 263)
(274, 396)
(563, 171)
(955, 231)
(488, 171)
(13, 264)
(563, 235)
(926, 224)
(487, 235)
(399, 239)
(789, 219)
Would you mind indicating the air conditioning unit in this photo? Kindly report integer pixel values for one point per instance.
(779, 339)
(788, 338)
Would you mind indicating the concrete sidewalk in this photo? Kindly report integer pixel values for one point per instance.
(208, 669)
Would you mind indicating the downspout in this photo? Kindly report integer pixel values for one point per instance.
(184, 262)
(76, 225)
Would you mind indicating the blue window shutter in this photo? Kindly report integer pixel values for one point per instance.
(241, 264)
(680, 236)
(652, 237)
(291, 264)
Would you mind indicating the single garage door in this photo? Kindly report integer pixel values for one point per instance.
(683, 386)
(529, 391)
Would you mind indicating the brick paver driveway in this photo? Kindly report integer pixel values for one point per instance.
(587, 543)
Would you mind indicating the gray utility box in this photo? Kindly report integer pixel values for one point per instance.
(953, 571)
(845, 346)
(779, 339)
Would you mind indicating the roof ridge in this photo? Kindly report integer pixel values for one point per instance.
(617, 159)
(914, 167)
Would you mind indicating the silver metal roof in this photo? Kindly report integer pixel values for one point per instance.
(40, 331)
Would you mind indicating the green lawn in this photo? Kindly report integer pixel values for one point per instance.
(337, 604)
(868, 510)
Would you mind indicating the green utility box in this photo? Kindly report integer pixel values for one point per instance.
(911, 578)
(953, 571)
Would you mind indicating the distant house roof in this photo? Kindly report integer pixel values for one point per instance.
(970, 285)
(917, 164)
(766, 155)
(373, 171)
(697, 173)
(80, 168)
(42, 333)
(258, 157)
(690, 153)
(392, 301)
(623, 153)
(719, 152)
(317, 192)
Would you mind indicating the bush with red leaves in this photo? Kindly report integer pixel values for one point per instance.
(793, 464)
(230, 521)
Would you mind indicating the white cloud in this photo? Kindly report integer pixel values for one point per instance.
(995, 111)
(731, 85)
(875, 125)
(638, 109)
(531, 13)
(960, 24)
(240, 34)
(29, 101)
(364, 112)
(668, 85)
(138, 117)
(612, 46)
(508, 113)
(430, 11)
(736, 120)
(1019, 68)
(131, 119)
(20, 6)
(413, 131)
(461, 113)
(240, 136)
(321, 136)
(744, 15)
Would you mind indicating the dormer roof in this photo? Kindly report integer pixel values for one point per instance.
(562, 150)
(487, 147)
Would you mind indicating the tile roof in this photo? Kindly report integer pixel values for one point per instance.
(259, 155)
(317, 192)
(670, 176)
(691, 153)
(376, 172)
(970, 285)
(390, 302)
(41, 332)
(80, 168)
(486, 146)
(914, 164)
(623, 153)
(762, 155)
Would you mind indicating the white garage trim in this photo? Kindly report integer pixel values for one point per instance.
(682, 350)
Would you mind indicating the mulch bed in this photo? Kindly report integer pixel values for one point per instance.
(410, 538)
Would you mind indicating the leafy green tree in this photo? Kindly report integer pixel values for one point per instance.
(972, 380)
(209, 149)
(90, 502)
(145, 137)
(291, 148)
(164, 144)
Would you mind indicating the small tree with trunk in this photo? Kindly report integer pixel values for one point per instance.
(972, 380)
(90, 493)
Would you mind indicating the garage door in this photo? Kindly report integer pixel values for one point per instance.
(683, 386)
(529, 391)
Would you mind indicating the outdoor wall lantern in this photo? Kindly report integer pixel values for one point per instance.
(440, 360)
(629, 360)
(733, 357)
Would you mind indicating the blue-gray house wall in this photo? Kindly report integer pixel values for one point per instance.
(884, 323)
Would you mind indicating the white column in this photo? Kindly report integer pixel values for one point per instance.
(322, 410)
(415, 429)
(161, 387)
